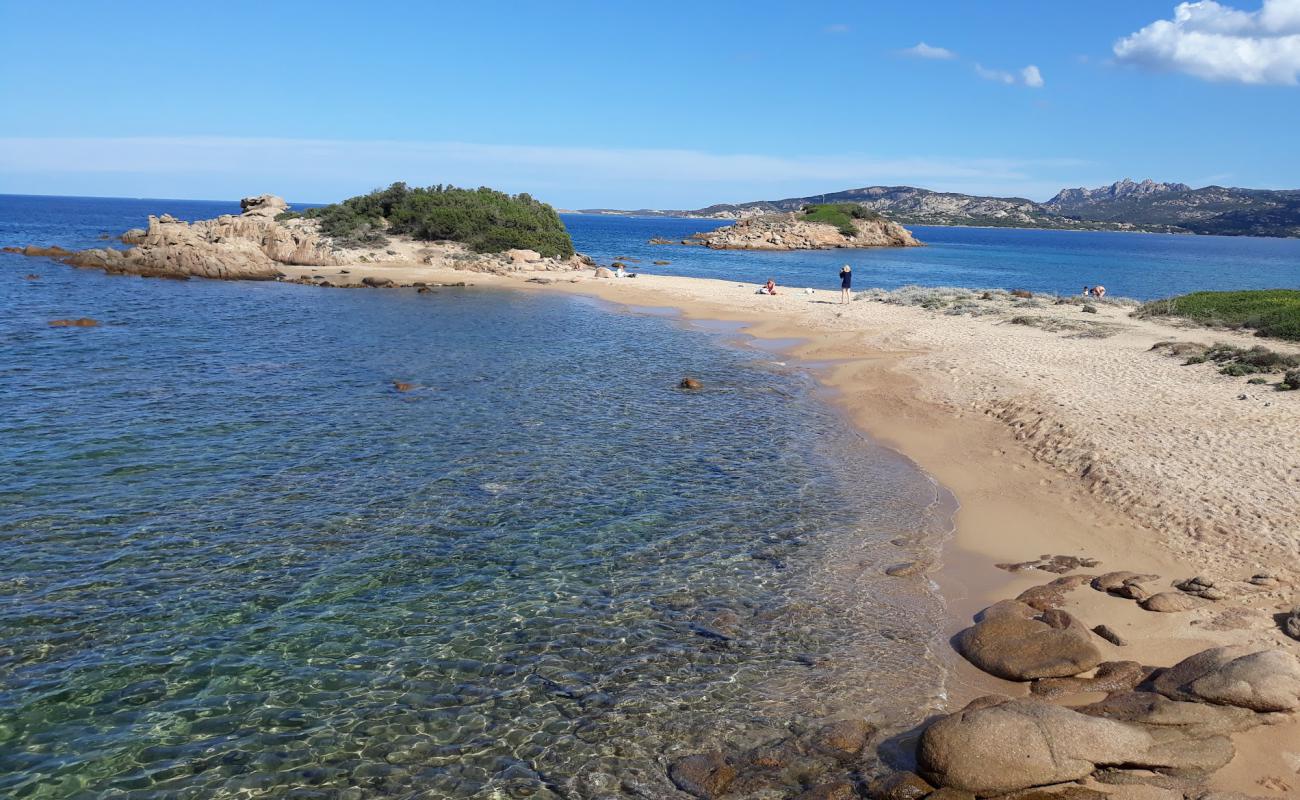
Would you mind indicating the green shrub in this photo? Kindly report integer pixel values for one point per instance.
(841, 215)
(486, 220)
(1291, 380)
(1271, 312)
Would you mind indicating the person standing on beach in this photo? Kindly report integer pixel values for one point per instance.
(846, 283)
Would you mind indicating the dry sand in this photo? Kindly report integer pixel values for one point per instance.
(1054, 443)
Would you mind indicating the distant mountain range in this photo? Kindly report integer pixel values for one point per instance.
(1125, 205)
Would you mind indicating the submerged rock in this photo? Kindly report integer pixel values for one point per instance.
(81, 322)
(1012, 641)
(705, 775)
(900, 786)
(690, 384)
(844, 740)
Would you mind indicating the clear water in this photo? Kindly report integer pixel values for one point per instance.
(235, 562)
(1143, 266)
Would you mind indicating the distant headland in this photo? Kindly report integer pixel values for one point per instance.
(1126, 205)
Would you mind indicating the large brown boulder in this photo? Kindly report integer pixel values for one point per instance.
(1241, 675)
(1013, 641)
(997, 745)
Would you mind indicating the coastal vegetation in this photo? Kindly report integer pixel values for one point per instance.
(486, 220)
(1269, 312)
(841, 215)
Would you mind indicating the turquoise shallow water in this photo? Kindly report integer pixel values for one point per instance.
(234, 562)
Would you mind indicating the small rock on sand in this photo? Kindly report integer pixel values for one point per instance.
(1173, 602)
(1291, 623)
(1108, 633)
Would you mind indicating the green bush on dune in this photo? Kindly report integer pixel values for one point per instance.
(841, 215)
(1270, 312)
(486, 220)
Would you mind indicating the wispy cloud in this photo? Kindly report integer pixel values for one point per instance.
(1220, 43)
(923, 50)
(1029, 76)
(325, 169)
(838, 27)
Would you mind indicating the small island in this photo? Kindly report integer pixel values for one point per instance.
(480, 230)
(814, 227)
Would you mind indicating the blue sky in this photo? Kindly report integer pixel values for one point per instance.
(664, 105)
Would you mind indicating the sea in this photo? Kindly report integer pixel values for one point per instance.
(236, 561)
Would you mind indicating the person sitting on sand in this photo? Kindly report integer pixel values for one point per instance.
(1087, 291)
(769, 287)
(1099, 292)
(846, 283)
(620, 272)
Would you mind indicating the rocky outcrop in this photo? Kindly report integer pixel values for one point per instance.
(789, 232)
(247, 246)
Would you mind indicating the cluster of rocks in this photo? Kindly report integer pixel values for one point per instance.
(788, 232)
(1163, 730)
(820, 764)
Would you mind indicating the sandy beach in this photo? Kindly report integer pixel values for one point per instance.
(1054, 443)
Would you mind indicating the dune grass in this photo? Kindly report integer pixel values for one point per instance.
(1270, 312)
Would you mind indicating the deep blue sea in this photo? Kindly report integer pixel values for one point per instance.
(236, 562)
(1137, 265)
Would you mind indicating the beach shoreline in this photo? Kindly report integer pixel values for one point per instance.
(1016, 502)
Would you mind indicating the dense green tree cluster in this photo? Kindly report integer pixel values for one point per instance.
(486, 220)
(841, 215)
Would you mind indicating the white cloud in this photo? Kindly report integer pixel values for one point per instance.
(838, 27)
(994, 74)
(1221, 43)
(575, 177)
(1029, 76)
(923, 50)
